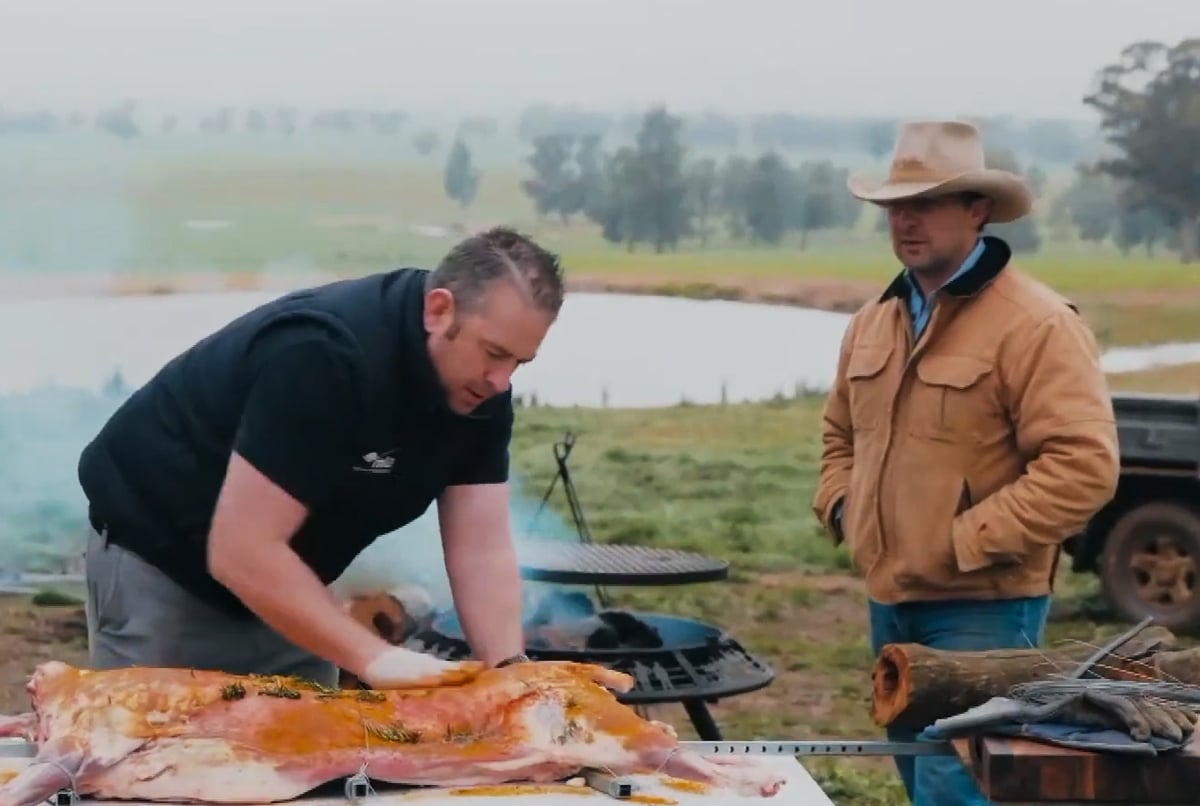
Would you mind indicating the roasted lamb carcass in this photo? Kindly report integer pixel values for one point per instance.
(186, 735)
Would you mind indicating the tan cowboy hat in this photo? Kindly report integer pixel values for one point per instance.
(936, 158)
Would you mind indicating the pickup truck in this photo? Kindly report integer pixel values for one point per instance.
(1145, 544)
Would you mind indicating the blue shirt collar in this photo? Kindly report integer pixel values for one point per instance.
(967, 265)
(920, 309)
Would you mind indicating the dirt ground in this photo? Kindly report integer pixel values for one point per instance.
(824, 294)
(828, 294)
(30, 635)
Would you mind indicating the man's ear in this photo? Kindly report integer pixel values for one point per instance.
(439, 310)
(981, 210)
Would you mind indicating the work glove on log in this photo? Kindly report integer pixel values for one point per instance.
(397, 667)
(1088, 720)
(1138, 716)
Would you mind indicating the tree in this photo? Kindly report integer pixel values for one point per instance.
(769, 200)
(1094, 204)
(820, 200)
(1141, 226)
(586, 189)
(732, 189)
(616, 210)
(1149, 106)
(703, 188)
(551, 181)
(660, 187)
(460, 179)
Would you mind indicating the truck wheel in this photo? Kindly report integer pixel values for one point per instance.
(1150, 565)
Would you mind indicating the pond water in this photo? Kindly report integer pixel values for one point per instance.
(606, 349)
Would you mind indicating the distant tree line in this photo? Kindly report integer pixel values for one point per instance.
(656, 192)
(1143, 192)
(652, 192)
(1043, 140)
(1050, 141)
(658, 183)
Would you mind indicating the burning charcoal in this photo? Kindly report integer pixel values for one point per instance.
(604, 637)
(628, 631)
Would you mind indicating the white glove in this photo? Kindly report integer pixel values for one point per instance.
(397, 667)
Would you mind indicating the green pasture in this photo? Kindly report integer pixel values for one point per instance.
(161, 209)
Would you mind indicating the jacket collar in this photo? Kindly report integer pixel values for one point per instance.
(995, 258)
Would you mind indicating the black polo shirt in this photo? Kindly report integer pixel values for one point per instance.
(330, 392)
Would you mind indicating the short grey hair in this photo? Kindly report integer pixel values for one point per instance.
(469, 269)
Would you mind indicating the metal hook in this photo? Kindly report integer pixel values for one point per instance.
(358, 787)
(65, 797)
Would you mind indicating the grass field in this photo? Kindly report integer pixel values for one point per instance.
(171, 218)
(735, 482)
(1175, 379)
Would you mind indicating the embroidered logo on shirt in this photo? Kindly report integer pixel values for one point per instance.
(377, 462)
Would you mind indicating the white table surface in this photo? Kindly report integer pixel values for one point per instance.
(800, 790)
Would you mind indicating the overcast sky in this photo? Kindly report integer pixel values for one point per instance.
(917, 57)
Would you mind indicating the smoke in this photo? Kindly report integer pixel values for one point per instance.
(43, 514)
(410, 563)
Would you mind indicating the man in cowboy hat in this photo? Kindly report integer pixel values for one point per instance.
(969, 431)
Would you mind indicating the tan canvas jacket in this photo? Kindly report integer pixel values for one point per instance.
(963, 461)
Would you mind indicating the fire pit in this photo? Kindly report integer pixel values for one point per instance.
(671, 659)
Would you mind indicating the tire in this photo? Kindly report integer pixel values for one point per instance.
(1150, 565)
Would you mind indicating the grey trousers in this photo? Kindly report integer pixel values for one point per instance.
(138, 616)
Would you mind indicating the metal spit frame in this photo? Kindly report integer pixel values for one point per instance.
(562, 450)
(358, 787)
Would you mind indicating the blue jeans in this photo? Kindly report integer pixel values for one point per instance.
(953, 625)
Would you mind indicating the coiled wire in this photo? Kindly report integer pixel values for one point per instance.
(1042, 692)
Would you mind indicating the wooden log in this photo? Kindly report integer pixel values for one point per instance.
(914, 685)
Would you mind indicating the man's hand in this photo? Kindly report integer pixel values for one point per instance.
(397, 667)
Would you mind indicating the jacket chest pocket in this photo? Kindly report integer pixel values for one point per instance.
(954, 399)
(869, 395)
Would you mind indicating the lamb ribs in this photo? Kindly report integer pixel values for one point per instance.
(180, 735)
